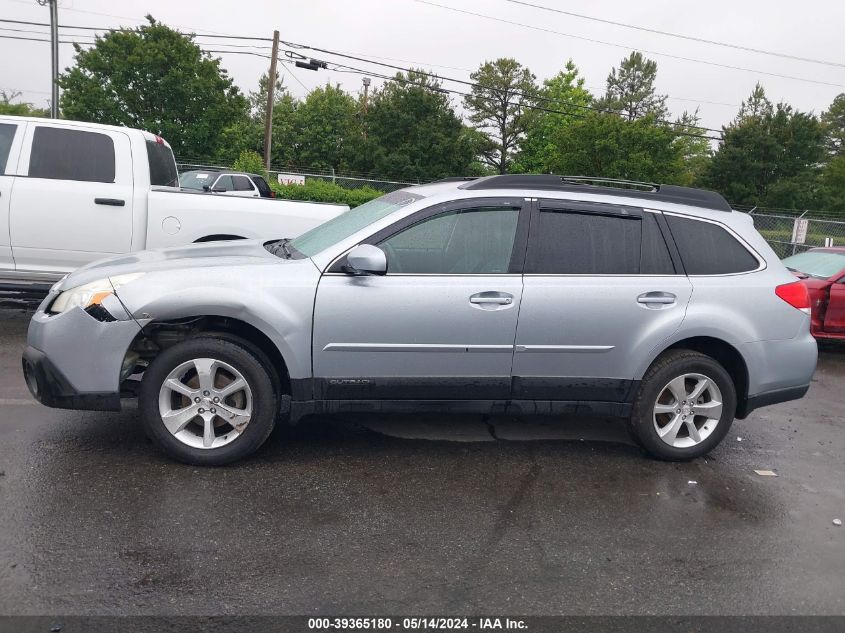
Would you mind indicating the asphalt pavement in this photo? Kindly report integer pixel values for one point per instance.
(420, 515)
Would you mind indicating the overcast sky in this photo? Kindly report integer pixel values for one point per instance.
(453, 44)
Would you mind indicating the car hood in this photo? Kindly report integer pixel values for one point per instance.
(203, 255)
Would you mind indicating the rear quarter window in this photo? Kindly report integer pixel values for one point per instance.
(708, 249)
(7, 135)
(162, 165)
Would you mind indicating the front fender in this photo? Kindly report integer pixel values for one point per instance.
(279, 305)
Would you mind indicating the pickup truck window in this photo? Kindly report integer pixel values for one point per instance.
(7, 135)
(346, 224)
(62, 154)
(162, 165)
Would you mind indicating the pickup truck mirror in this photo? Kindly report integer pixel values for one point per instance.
(366, 259)
(206, 188)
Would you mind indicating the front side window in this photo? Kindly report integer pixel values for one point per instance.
(465, 242)
(7, 135)
(224, 183)
(708, 249)
(63, 154)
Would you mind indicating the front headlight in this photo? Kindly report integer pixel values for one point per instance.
(90, 294)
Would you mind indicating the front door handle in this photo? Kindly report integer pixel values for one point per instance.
(111, 202)
(656, 298)
(491, 297)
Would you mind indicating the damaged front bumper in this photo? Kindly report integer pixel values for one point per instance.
(74, 360)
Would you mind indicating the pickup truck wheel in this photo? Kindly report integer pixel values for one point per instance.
(207, 401)
(685, 406)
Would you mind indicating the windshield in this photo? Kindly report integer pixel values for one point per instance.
(346, 224)
(197, 179)
(821, 264)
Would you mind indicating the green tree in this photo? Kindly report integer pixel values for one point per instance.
(768, 156)
(565, 93)
(832, 195)
(157, 79)
(756, 106)
(250, 162)
(834, 126)
(414, 132)
(8, 105)
(631, 91)
(608, 145)
(695, 148)
(502, 92)
(327, 129)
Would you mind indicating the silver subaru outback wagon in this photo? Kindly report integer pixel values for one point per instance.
(496, 295)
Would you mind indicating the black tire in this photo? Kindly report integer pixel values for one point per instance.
(668, 366)
(264, 400)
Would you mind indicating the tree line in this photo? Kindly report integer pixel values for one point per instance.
(413, 128)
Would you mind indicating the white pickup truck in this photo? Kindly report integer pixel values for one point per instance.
(73, 192)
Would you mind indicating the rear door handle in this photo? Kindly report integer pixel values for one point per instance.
(656, 298)
(112, 202)
(497, 298)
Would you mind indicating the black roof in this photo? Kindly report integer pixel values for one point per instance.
(604, 186)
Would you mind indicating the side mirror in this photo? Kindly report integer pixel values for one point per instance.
(366, 259)
(206, 188)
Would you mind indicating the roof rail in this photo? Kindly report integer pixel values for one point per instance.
(455, 179)
(622, 188)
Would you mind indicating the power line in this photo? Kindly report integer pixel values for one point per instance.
(627, 47)
(267, 39)
(691, 38)
(383, 64)
(462, 81)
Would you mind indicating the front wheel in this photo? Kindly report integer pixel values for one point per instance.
(685, 406)
(207, 401)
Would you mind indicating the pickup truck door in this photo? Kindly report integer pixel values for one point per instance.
(11, 135)
(73, 197)
(834, 316)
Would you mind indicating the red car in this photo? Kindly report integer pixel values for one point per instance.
(823, 272)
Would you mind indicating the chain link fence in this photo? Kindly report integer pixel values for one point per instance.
(791, 234)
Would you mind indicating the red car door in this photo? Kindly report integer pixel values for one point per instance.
(834, 318)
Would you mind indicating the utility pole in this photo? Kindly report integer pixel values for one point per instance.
(54, 54)
(268, 114)
(366, 82)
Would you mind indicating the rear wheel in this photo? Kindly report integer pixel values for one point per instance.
(207, 401)
(685, 406)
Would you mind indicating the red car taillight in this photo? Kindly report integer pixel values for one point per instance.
(796, 295)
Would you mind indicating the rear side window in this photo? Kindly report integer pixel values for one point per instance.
(7, 135)
(708, 249)
(242, 183)
(62, 154)
(572, 243)
(162, 165)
